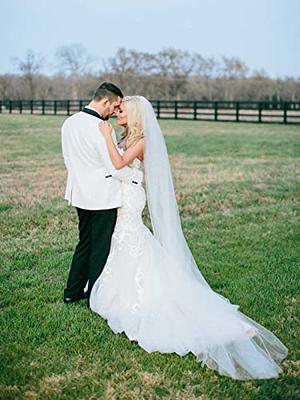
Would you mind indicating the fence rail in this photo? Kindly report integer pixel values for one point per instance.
(231, 111)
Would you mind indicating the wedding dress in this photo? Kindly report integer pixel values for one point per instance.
(146, 292)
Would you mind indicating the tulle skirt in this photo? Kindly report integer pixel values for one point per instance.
(141, 292)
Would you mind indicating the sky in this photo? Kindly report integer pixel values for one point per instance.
(265, 34)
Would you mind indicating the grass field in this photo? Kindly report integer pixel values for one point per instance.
(237, 187)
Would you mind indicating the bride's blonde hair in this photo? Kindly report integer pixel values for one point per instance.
(135, 125)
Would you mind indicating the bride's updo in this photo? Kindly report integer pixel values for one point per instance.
(135, 126)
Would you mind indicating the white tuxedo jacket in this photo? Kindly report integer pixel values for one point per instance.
(93, 182)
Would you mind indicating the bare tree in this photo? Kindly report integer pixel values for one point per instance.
(175, 66)
(5, 84)
(206, 70)
(233, 68)
(30, 67)
(130, 69)
(74, 61)
(124, 62)
(232, 73)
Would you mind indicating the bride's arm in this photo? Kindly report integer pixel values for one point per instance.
(118, 160)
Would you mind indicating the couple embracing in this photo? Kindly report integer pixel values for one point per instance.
(146, 284)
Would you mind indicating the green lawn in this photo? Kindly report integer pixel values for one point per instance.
(237, 187)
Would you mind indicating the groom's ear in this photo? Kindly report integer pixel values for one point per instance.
(105, 101)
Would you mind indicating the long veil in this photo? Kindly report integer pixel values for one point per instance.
(161, 197)
(257, 352)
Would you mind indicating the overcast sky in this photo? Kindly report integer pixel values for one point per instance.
(265, 34)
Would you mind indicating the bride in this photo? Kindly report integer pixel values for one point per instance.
(151, 287)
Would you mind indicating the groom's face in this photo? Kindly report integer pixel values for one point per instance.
(111, 106)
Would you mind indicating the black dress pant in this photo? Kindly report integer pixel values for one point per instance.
(95, 231)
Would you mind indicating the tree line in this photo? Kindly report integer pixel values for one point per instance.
(170, 74)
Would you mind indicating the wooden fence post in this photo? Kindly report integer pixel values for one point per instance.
(158, 109)
(68, 107)
(176, 109)
(43, 107)
(31, 106)
(10, 106)
(259, 111)
(237, 111)
(285, 108)
(216, 110)
(55, 107)
(195, 110)
(20, 106)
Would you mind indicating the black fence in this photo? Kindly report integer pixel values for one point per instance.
(226, 111)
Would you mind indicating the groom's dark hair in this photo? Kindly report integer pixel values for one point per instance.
(107, 90)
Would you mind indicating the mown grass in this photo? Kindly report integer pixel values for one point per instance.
(237, 187)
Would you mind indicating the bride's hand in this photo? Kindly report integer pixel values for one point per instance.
(105, 128)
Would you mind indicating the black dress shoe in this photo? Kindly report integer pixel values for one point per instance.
(69, 300)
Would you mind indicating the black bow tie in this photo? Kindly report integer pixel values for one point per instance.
(94, 113)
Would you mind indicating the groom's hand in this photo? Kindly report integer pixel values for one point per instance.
(105, 128)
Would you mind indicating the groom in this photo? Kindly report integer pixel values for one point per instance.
(93, 187)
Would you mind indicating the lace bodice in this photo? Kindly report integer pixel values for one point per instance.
(136, 163)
